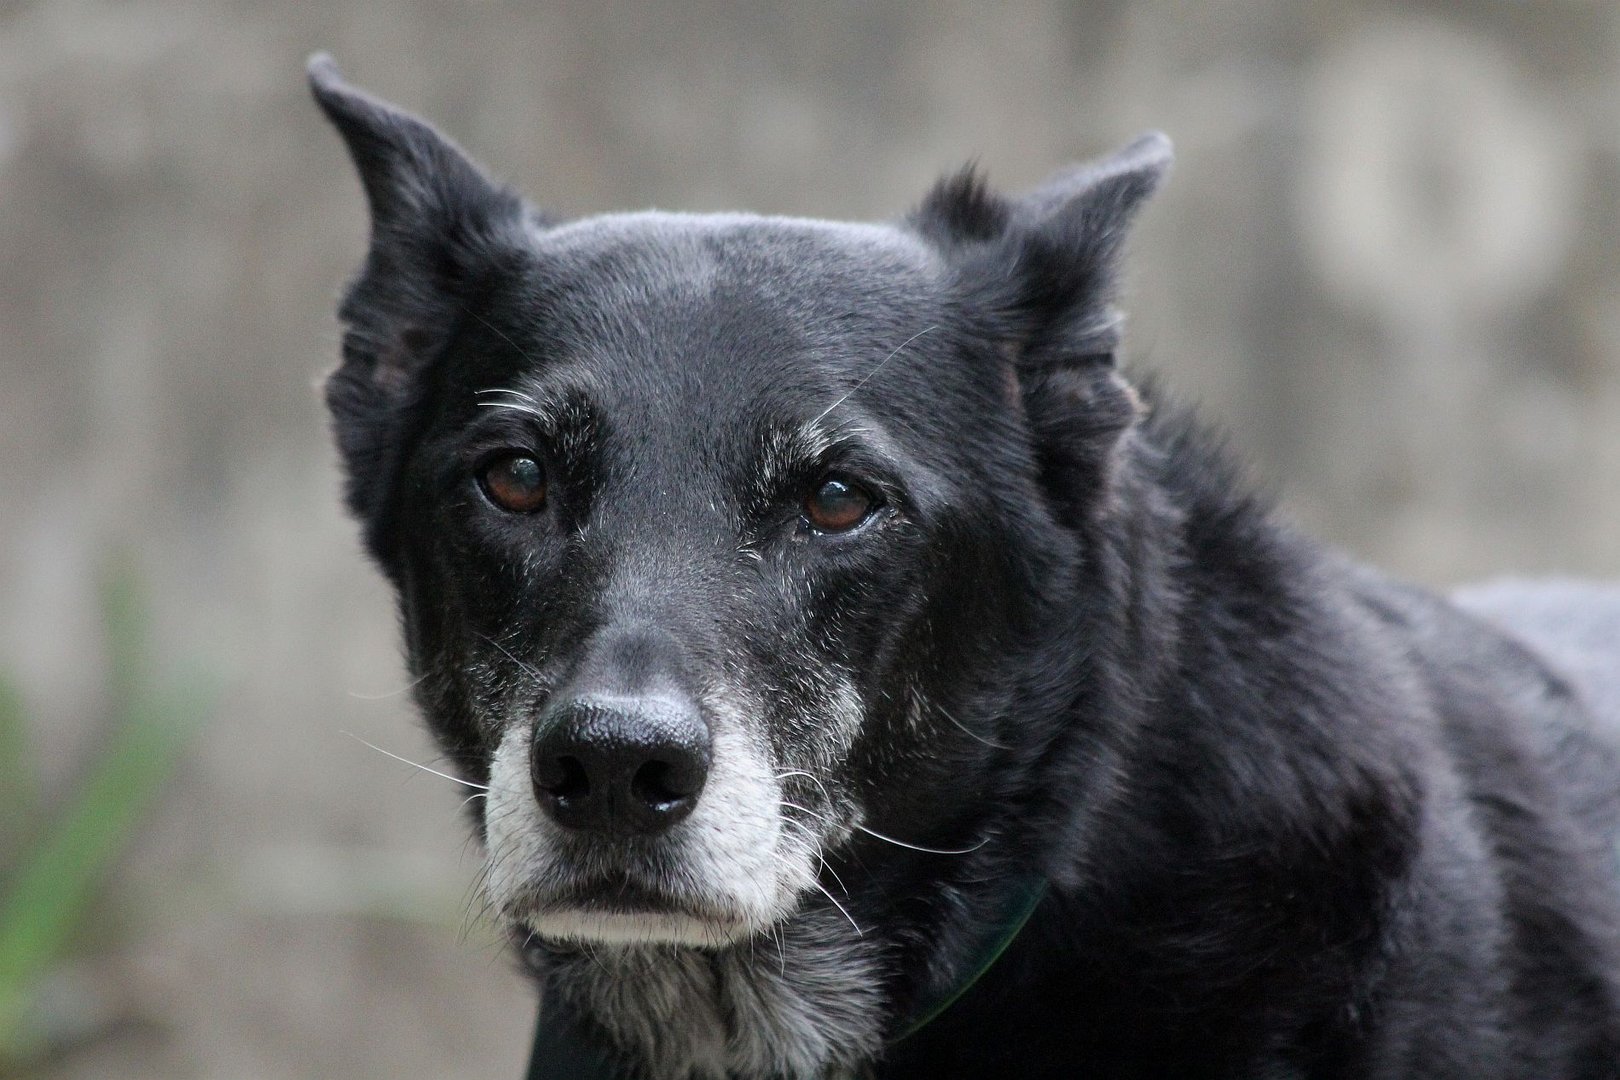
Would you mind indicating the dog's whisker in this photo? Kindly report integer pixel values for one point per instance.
(841, 909)
(827, 866)
(505, 390)
(476, 904)
(816, 852)
(969, 732)
(810, 776)
(417, 764)
(888, 839)
(413, 684)
(527, 410)
(530, 671)
(918, 847)
(475, 909)
(781, 950)
(492, 328)
(868, 377)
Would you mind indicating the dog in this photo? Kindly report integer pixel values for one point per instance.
(866, 679)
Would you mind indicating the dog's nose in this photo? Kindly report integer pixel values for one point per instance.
(620, 766)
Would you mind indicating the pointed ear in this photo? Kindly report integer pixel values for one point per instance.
(1045, 266)
(415, 178)
(439, 230)
(1041, 273)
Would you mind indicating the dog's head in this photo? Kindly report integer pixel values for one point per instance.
(723, 542)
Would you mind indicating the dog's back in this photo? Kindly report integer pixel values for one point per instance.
(1574, 625)
(1522, 680)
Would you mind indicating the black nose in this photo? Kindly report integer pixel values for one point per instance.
(620, 765)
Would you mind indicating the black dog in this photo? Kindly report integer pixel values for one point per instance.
(843, 643)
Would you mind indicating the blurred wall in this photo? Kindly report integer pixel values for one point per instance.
(1386, 263)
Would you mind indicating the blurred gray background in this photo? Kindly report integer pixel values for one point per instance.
(1387, 263)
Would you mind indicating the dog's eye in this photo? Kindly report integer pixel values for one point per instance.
(838, 505)
(514, 482)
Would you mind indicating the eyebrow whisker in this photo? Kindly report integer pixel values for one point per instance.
(880, 365)
(492, 328)
(527, 410)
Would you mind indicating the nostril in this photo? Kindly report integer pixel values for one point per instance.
(564, 778)
(660, 785)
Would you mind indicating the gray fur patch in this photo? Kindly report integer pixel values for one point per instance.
(802, 1001)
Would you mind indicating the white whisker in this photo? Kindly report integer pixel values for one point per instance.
(918, 847)
(815, 851)
(812, 777)
(804, 810)
(969, 732)
(415, 764)
(503, 390)
(841, 910)
(827, 866)
(871, 373)
(389, 693)
(781, 949)
(492, 328)
(889, 839)
(527, 410)
(532, 673)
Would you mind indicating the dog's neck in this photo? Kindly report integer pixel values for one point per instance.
(806, 1000)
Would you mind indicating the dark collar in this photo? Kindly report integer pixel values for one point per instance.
(564, 1050)
(1015, 912)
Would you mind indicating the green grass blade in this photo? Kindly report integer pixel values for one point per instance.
(51, 890)
(125, 626)
(18, 787)
(47, 900)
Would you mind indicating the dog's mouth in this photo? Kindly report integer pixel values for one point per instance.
(623, 896)
(626, 911)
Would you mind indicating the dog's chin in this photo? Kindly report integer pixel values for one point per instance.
(608, 927)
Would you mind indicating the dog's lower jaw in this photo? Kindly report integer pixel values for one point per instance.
(802, 1002)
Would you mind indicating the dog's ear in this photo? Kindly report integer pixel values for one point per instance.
(439, 228)
(1041, 274)
(440, 232)
(1044, 267)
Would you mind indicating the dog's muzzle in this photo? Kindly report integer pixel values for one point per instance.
(631, 809)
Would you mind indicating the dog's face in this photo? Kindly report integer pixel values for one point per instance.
(677, 573)
(714, 535)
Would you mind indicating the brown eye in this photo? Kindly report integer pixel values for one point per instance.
(515, 483)
(837, 506)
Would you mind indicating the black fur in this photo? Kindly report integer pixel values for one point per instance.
(1298, 820)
